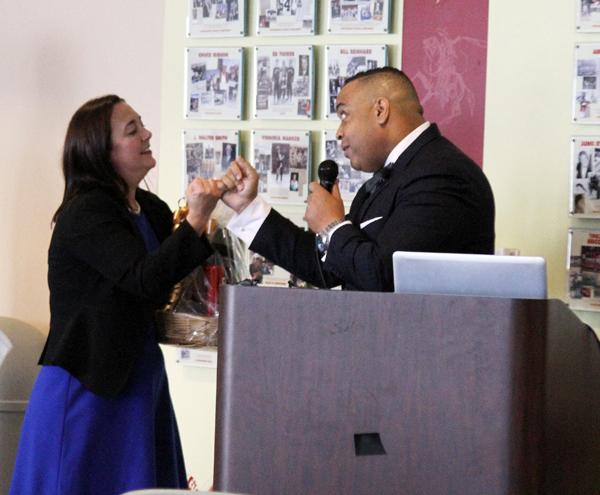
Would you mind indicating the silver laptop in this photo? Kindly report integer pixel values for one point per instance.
(517, 277)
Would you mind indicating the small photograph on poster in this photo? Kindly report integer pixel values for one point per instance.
(208, 153)
(585, 177)
(285, 17)
(586, 104)
(282, 160)
(344, 61)
(284, 83)
(208, 18)
(587, 16)
(265, 273)
(349, 179)
(358, 16)
(214, 79)
(584, 269)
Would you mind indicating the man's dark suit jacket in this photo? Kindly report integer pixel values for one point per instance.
(105, 286)
(436, 199)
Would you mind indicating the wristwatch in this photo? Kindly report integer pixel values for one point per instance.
(324, 236)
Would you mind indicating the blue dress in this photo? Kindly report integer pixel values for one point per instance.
(74, 442)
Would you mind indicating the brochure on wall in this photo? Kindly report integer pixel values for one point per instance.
(208, 153)
(585, 177)
(587, 16)
(214, 79)
(208, 18)
(584, 269)
(264, 272)
(358, 16)
(349, 179)
(284, 82)
(285, 17)
(282, 159)
(586, 101)
(343, 61)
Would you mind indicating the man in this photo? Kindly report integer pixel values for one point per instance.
(425, 195)
(228, 155)
(290, 80)
(276, 82)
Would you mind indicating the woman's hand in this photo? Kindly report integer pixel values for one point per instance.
(202, 196)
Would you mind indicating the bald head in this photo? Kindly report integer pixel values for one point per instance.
(377, 109)
(393, 84)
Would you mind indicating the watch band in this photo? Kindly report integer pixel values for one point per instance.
(323, 237)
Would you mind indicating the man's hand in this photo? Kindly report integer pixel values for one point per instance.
(322, 207)
(241, 184)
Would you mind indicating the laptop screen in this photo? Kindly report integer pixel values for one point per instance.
(518, 277)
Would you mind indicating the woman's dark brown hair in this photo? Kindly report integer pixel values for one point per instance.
(86, 154)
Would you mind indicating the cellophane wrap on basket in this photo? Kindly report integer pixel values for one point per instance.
(191, 317)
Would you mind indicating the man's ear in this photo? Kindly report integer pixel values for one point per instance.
(382, 110)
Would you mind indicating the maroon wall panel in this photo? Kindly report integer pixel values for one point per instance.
(444, 52)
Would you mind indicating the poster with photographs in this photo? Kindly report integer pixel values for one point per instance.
(208, 153)
(265, 273)
(358, 16)
(586, 104)
(350, 179)
(208, 18)
(587, 16)
(285, 17)
(214, 83)
(284, 82)
(345, 61)
(282, 160)
(585, 177)
(584, 269)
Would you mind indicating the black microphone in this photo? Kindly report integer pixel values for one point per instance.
(328, 172)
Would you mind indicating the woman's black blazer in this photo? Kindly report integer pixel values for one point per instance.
(105, 286)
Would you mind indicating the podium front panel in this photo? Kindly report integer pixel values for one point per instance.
(453, 391)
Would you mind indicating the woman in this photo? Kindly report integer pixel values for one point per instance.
(100, 418)
(584, 165)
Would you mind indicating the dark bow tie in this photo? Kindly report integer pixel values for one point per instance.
(378, 178)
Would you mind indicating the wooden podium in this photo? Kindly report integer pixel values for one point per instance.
(331, 392)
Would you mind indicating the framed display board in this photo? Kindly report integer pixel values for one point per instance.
(358, 16)
(214, 78)
(349, 179)
(265, 273)
(585, 177)
(282, 160)
(586, 83)
(284, 82)
(285, 17)
(208, 153)
(342, 62)
(584, 269)
(209, 18)
(587, 16)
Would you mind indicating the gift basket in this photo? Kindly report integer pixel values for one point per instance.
(191, 316)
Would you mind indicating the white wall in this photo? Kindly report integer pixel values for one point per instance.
(54, 56)
(528, 129)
